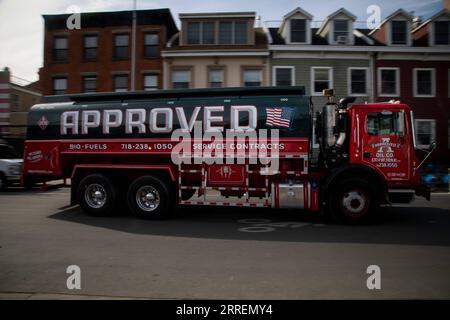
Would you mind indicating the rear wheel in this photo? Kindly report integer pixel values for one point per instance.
(148, 198)
(97, 195)
(353, 201)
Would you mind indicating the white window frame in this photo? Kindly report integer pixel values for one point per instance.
(307, 31)
(397, 82)
(189, 71)
(431, 37)
(349, 82)
(433, 83)
(433, 132)
(351, 36)
(274, 74)
(330, 79)
(408, 34)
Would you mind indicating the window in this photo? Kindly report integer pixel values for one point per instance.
(389, 82)
(151, 44)
(121, 46)
(201, 33)
(150, 82)
(399, 32)
(193, 33)
(425, 132)
(90, 47)
(424, 82)
(59, 85)
(89, 84)
(298, 30)
(252, 77)
(357, 81)
(321, 79)
(340, 31)
(240, 32)
(442, 32)
(60, 49)
(283, 76)
(215, 78)
(181, 79)
(120, 83)
(225, 33)
(208, 34)
(383, 123)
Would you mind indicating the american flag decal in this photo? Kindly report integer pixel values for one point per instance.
(279, 117)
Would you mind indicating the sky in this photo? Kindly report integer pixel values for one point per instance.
(22, 26)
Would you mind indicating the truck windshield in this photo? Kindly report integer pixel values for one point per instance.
(7, 152)
(383, 123)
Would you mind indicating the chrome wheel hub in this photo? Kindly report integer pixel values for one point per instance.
(147, 198)
(354, 202)
(95, 196)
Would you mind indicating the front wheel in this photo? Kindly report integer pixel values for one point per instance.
(148, 198)
(353, 201)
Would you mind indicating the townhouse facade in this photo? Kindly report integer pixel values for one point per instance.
(401, 59)
(98, 56)
(217, 50)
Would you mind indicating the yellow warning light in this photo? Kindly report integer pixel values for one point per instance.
(149, 148)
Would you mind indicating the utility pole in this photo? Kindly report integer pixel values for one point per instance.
(133, 48)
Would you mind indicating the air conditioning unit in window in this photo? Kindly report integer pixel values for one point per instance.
(342, 40)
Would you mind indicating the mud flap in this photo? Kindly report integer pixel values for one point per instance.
(423, 190)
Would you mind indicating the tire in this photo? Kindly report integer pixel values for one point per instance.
(353, 201)
(148, 198)
(97, 195)
(3, 183)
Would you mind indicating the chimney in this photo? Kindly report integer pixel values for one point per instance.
(446, 4)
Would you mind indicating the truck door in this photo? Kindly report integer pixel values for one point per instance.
(385, 144)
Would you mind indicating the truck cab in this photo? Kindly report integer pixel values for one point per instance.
(369, 149)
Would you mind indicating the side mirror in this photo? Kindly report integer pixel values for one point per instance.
(433, 146)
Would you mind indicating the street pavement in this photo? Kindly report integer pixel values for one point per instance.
(220, 253)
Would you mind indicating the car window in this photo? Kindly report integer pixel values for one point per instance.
(7, 152)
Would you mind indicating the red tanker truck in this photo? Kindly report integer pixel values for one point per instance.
(245, 147)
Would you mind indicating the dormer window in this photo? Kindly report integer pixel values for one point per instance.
(399, 32)
(442, 32)
(341, 32)
(298, 30)
(193, 33)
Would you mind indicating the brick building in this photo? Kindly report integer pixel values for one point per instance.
(97, 57)
(414, 67)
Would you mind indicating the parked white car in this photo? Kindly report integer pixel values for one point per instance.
(10, 166)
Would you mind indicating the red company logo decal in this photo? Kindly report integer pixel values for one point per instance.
(43, 123)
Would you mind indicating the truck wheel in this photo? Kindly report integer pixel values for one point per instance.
(2, 183)
(148, 198)
(353, 201)
(97, 195)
